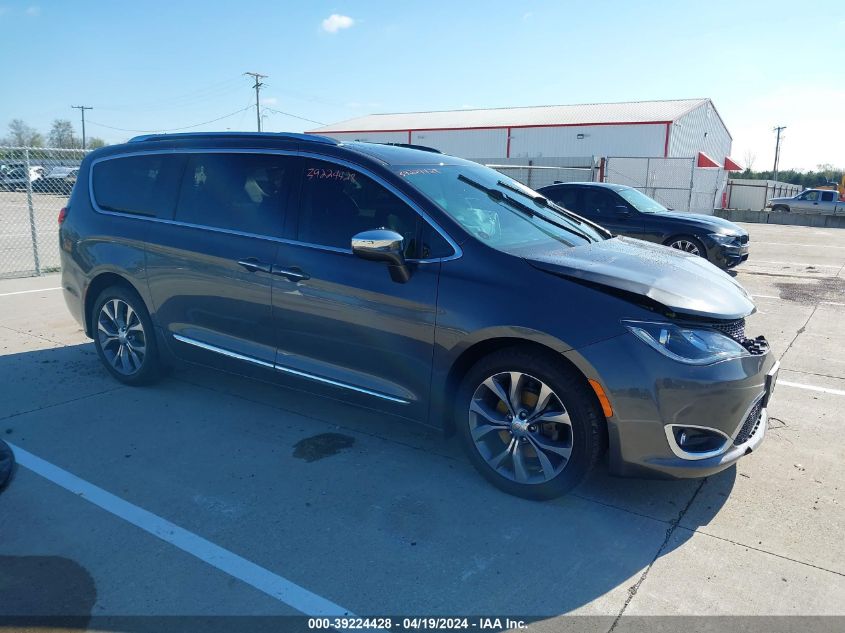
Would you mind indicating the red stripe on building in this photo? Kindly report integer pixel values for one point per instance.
(494, 127)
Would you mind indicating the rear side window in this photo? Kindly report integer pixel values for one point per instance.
(827, 196)
(145, 185)
(238, 192)
(567, 197)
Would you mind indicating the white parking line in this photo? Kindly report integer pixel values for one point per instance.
(765, 297)
(26, 292)
(760, 261)
(790, 244)
(228, 562)
(837, 392)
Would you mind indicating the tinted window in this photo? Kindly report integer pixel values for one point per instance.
(145, 184)
(433, 244)
(567, 197)
(238, 192)
(338, 202)
(597, 202)
(827, 196)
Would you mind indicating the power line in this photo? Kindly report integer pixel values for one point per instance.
(82, 109)
(778, 129)
(301, 118)
(258, 77)
(174, 129)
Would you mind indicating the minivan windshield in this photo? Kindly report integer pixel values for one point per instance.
(501, 212)
(641, 202)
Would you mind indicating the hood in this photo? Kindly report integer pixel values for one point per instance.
(705, 221)
(686, 284)
(782, 199)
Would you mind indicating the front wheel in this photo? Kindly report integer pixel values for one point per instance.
(529, 424)
(124, 337)
(688, 244)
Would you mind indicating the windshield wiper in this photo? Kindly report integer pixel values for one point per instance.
(498, 196)
(545, 202)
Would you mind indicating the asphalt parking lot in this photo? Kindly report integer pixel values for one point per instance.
(205, 494)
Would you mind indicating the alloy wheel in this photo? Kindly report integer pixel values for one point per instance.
(686, 246)
(520, 427)
(121, 336)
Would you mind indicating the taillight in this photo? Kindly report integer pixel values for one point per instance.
(62, 215)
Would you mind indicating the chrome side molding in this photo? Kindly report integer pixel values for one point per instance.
(287, 370)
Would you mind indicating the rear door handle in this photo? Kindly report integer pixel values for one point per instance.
(254, 265)
(293, 273)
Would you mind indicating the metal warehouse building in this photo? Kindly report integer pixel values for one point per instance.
(660, 147)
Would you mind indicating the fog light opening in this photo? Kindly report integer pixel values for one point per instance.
(696, 440)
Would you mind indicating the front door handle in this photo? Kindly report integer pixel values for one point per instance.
(293, 273)
(253, 265)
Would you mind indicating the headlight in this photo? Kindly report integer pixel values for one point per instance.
(694, 346)
(724, 240)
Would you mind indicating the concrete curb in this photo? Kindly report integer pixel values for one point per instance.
(769, 217)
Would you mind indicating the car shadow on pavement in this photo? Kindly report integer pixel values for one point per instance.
(215, 454)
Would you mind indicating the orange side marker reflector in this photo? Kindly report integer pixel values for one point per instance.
(602, 396)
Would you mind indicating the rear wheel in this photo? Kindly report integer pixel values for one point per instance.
(124, 337)
(529, 424)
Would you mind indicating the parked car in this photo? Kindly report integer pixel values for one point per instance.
(420, 285)
(810, 201)
(60, 180)
(626, 211)
(16, 177)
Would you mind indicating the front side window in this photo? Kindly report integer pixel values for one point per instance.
(237, 192)
(498, 210)
(146, 184)
(598, 202)
(810, 196)
(337, 203)
(641, 202)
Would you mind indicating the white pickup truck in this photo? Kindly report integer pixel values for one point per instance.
(824, 201)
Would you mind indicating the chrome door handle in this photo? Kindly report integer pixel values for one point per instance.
(253, 265)
(293, 273)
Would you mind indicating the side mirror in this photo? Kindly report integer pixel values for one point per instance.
(383, 245)
(621, 209)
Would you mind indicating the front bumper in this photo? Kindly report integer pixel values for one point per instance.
(650, 393)
(728, 256)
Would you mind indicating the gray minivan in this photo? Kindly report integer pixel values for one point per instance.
(418, 285)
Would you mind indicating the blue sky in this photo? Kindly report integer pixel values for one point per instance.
(154, 65)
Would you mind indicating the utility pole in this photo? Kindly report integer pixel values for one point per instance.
(258, 77)
(82, 109)
(778, 129)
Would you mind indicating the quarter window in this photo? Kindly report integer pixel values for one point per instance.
(238, 192)
(338, 202)
(146, 184)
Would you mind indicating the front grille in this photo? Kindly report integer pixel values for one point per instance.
(743, 240)
(734, 329)
(751, 424)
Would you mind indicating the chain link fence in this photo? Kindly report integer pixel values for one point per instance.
(34, 185)
(539, 172)
(676, 183)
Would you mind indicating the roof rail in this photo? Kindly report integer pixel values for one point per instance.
(313, 138)
(424, 148)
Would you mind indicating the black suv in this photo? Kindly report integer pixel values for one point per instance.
(626, 211)
(420, 285)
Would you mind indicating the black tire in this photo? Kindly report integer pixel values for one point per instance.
(779, 208)
(702, 252)
(588, 425)
(143, 369)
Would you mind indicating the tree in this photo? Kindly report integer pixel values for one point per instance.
(22, 135)
(749, 158)
(94, 142)
(61, 135)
